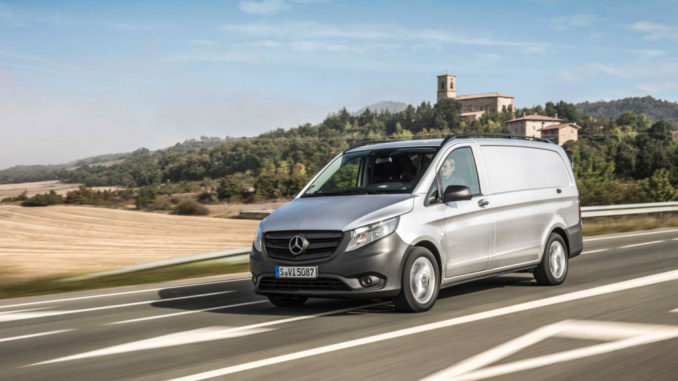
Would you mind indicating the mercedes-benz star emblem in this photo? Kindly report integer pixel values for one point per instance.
(298, 244)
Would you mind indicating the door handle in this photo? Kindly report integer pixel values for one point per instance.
(483, 202)
(559, 190)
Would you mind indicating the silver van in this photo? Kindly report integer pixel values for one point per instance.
(403, 219)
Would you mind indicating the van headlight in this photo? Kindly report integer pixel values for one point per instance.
(257, 241)
(370, 233)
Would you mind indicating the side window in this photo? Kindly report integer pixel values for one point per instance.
(459, 168)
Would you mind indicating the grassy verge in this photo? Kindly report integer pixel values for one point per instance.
(607, 225)
(42, 286)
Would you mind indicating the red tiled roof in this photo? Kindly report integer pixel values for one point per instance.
(536, 117)
(483, 95)
(559, 126)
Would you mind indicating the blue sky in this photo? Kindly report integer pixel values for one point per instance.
(80, 78)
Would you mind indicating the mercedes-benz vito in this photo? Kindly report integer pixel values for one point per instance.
(403, 219)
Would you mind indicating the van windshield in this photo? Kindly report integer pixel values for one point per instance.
(395, 170)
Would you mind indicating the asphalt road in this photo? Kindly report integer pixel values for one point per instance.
(615, 317)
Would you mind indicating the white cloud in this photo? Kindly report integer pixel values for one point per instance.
(649, 53)
(14, 17)
(263, 7)
(636, 74)
(573, 21)
(654, 32)
(222, 56)
(382, 34)
(203, 42)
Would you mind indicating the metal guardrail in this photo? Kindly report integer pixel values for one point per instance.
(628, 209)
(242, 253)
(235, 254)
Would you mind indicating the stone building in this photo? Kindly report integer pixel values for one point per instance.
(530, 125)
(561, 133)
(544, 127)
(473, 105)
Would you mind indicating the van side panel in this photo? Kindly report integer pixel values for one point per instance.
(524, 183)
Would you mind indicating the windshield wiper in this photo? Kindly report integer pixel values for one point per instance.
(336, 193)
(378, 191)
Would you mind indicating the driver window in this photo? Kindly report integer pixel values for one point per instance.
(459, 168)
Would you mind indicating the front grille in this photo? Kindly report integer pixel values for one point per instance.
(322, 244)
(320, 284)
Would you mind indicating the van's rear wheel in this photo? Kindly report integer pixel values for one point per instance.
(420, 282)
(287, 300)
(553, 267)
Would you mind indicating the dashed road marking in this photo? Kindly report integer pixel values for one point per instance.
(629, 235)
(180, 338)
(34, 335)
(594, 251)
(642, 244)
(576, 295)
(41, 314)
(200, 335)
(620, 335)
(186, 312)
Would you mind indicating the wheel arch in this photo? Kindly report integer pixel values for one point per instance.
(430, 246)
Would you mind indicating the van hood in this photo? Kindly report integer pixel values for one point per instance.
(337, 212)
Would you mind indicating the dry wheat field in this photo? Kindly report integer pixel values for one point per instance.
(60, 239)
(11, 190)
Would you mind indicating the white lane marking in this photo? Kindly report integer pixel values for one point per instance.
(117, 293)
(33, 315)
(222, 332)
(630, 235)
(186, 312)
(674, 239)
(676, 310)
(576, 295)
(34, 335)
(180, 338)
(594, 251)
(23, 310)
(623, 335)
(641, 244)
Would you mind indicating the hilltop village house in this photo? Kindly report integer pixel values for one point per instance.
(544, 127)
(475, 105)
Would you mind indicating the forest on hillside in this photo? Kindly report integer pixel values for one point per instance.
(616, 160)
(655, 109)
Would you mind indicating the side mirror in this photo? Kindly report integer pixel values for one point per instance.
(457, 193)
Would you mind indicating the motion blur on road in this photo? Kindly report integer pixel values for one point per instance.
(615, 317)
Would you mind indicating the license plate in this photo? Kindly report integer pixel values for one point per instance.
(296, 271)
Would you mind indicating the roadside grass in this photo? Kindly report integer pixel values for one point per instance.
(622, 224)
(51, 285)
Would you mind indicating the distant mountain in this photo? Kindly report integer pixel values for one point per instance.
(655, 109)
(382, 106)
(28, 173)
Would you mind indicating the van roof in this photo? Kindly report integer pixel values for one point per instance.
(437, 142)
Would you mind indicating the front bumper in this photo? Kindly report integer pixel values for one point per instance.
(339, 274)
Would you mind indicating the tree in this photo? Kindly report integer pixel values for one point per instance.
(228, 188)
(659, 187)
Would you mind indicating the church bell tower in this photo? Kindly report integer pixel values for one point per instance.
(447, 86)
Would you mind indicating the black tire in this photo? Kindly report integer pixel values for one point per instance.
(287, 300)
(409, 299)
(552, 270)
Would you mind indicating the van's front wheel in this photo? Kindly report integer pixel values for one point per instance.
(553, 267)
(420, 282)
